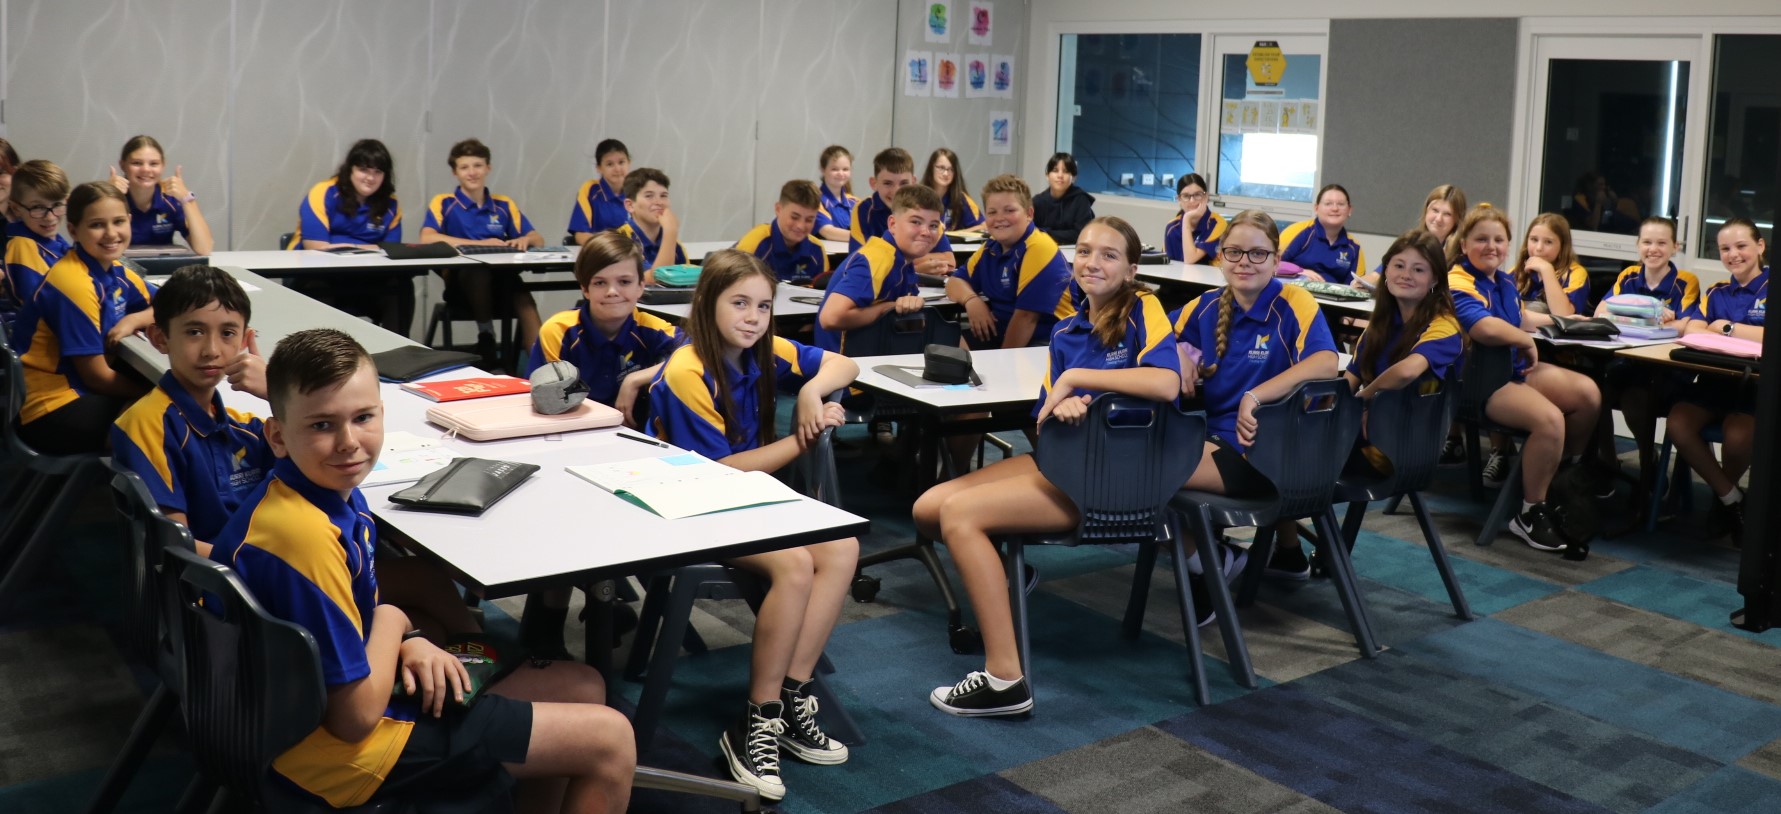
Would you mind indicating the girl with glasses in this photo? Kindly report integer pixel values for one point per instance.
(1192, 237)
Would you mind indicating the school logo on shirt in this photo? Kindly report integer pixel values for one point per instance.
(1007, 277)
(242, 476)
(494, 221)
(1342, 258)
(1118, 355)
(1259, 353)
(1758, 312)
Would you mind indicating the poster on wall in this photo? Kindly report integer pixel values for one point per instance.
(938, 24)
(1268, 120)
(1001, 133)
(946, 76)
(1250, 113)
(1308, 116)
(977, 76)
(978, 26)
(1001, 76)
(1232, 123)
(918, 73)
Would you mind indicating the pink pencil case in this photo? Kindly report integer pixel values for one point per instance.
(1728, 345)
(498, 417)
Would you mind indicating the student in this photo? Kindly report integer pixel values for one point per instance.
(9, 163)
(650, 222)
(880, 277)
(88, 302)
(358, 207)
(835, 218)
(600, 203)
(1121, 343)
(39, 202)
(1656, 275)
(892, 170)
(1321, 246)
(1441, 212)
(1736, 307)
(1063, 208)
(1413, 336)
(1555, 406)
(302, 543)
(159, 206)
(716, 396)
(474, 216)
(945, 177)
(1547, 272)
(1192, 237)
(1248, 344)
(1016, 287)
(784, 243)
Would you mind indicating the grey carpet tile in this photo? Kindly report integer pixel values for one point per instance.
(1765, 760)
(1147, 770)
(67, 706)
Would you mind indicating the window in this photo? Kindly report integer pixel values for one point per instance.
(1744, 140)
(1128, 109)
(1268, 135)
(1614, 141)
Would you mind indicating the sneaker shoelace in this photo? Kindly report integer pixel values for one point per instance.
(763, 743)
(972, 682)
(804, 715)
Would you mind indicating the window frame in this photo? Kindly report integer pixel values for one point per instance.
(1233, 43)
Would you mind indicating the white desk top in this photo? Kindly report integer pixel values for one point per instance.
(785, 309)
(697, 249)
(1206, 278)
(316, 261)
(1010, 377)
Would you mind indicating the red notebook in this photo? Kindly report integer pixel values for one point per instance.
(460, 389)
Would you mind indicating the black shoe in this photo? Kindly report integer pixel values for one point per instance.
(1540, 527)
(541, 630)
(975, 698)
(1453, 452)
(488, 350)
(1729, 520)
(751, 747)
(803, 738)
(1288, 562)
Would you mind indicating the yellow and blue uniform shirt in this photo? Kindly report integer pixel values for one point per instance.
(836, 210)
(198, 461)
(805, 260)
(1029, 276)
(457, 215)
(1476, 296)
(871, 218)
(598, 207)
(683, 398)
(1440, 343)
(80, 301)
(1744, 304)
(572, 336)
(1207, 233)
(649, 245)
(877, 273)
(1576, 284)
(1148, 342)
(28, 258)
(319, 218)
(970, 213)
(1279, 330)
(156, 225)
(1679, 290)
(1308, 246)
(307, 555)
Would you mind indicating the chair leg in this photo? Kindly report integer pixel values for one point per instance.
(1228, 625)
(197, 795)
(1474, 462)
(1439, 551)
(923, 551)
(1016, 563)
(649, 619)
(37, 546)
(149, 724)
(1352, 521)
(1342, 572)
(1508, 500)
(837, 722)
(1196, 663)
(1141, 574)
(1391, 506)
(663, 780)
(676, 618)
(1661, 484)
(1259, 552)
(33, 488)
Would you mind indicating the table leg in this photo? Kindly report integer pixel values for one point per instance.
(602, 596)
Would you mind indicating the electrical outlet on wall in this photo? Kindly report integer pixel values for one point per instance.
(1125, 179)
(1169, 180)
(1149, 179)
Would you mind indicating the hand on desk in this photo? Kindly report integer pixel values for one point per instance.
(910, 304)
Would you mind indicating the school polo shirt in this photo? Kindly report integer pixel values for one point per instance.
(970, 215)
(649, 245)
(1679, 290)
(28, 258)
(1439, 343)
(1283, 327)
(458, 215)
(319, 218)
(598, 207)
(1746, 304)
(193, 461)
(877, 273)
(1307, 244)
(1031, 275)
(572, 336)
(836, 210)
(307, 555)
(1148, 342)
(1576, 283)
(1208, 231)
(80, 301)
(1476, 296)
(805, 260)
(155, 226)
(871, 218)
(684, 405)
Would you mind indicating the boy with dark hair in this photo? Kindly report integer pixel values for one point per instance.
(600, 203)
(893, 169)
(37, 202)
(1015, 288)
(650, 222)
(785, 243)
(880, 277)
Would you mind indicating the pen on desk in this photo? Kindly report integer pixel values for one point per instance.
(641, 440)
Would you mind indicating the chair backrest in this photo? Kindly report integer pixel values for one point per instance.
(288, 240)
(251, 685)
(1303, 440)
(895, 334)
(815, 472)
(1409, 427)
(149, 532)
(12, 400)
(1487, 369)
(1122, 463)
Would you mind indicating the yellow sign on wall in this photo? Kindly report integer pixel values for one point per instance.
(1266, 64)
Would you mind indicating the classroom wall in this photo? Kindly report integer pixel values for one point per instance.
(920, 125)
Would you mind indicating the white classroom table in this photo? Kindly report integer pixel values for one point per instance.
(786, 309)
(1011, 378)
(697, 250)
(304, 261)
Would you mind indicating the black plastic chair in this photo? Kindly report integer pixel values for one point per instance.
(1301, 444)
(894, 334)
(1488, 368)
(1121, 466)
(1409, 428)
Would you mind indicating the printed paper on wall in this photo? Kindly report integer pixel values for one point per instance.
(1001, 133)
(976, 78)
(1001, 76)
(946, 76)
(918, 73)
(979, 25)
(938, 25)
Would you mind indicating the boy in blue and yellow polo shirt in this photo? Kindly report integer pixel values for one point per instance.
(39, 199)
(198, 457)
(616, 347)
(1015, 288)
(600, 203)
(785, 243)
(473, 216)
(650, 222)
(880, 277)
(892, 169)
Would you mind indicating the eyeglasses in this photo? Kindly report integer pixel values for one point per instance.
(1190, 197)
(40, 210)
(1232, 254)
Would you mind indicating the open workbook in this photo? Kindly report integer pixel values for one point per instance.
(685, 484)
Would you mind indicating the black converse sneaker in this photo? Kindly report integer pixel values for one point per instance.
(975, 698)
(751, 745)
(802, 737)
(1540, 527)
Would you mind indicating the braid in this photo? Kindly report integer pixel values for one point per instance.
(1225, 301)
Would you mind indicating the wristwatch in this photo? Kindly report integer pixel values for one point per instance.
(190, 197)
(1727, 330)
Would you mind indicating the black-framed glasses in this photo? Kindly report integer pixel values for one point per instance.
(1192, 196)
(40, 210)
(1232, 254)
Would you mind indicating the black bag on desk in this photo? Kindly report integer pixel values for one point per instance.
(947, 364)
(1580, 328)
(658, 294)
(405, 364)
(465, 486)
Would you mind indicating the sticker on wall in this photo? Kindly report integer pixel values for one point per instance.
(1001, 76)
(1251, 113)
(978, 27)
(1001, 133)
(1308, 115)
(939, 22)
(1232, 123)
(946, 76)
(918, 73)
(1268, 120)
(977, 76)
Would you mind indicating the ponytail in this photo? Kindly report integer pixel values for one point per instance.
(1226, 304)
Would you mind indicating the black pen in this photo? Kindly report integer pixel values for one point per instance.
(641, 440)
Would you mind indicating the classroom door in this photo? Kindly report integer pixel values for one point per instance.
(1618, 128)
